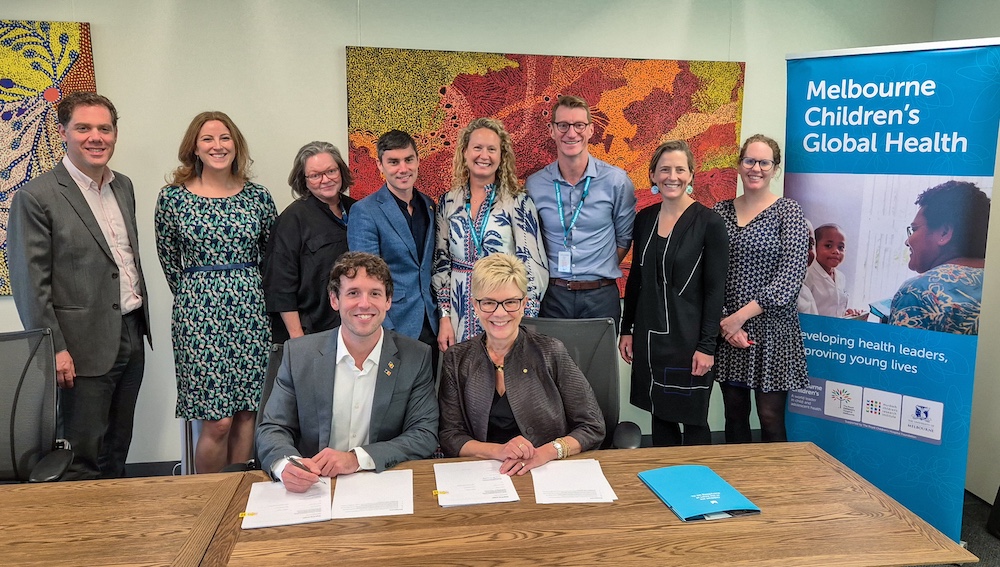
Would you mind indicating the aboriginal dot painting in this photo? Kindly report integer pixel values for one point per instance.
(40, 63)
(636, 104)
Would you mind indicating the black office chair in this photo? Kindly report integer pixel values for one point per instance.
(29, 450)
(593, 346)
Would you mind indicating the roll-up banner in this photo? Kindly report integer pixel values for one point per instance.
(891, 153)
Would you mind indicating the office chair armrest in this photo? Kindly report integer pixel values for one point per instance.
(627, 436)
(52, 466)
(251, 465)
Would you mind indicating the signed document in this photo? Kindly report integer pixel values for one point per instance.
(571, 482)
(271, 505)
(472, 482)
(365, 494)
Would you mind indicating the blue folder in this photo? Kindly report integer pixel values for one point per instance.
(695, 492)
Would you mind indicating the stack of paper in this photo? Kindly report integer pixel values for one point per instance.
(271, 505)
(571, 482)
(472, 482)
(365, 494)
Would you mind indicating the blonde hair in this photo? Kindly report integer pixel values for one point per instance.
(506, 176)
(497, 270)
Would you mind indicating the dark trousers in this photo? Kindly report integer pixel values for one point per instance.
(668, 433)
(429, 337)
(562, 303)
(770, 411)
(98, 411)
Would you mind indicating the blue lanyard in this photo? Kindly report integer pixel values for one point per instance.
(343, 212)
(576, 213)
(478, 238)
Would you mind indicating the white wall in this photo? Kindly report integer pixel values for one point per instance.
(278, 69)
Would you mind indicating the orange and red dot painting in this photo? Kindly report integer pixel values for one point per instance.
(636, 104)
(40, 63)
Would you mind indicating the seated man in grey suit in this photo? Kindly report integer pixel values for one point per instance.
(356, 397)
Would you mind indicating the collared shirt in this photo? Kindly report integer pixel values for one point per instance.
(419, 222)
(112, 222)
(604, 225)
(353, 397)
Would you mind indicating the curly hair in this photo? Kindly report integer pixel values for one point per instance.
(965, 208)
(348, 265)
(190, 164)
(506, 176)
(775, 148)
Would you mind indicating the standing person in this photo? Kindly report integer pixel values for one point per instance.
(587, 208)
(306, 241)
(397, 223)
(73, 249)
(673, 302)
(763, 349)
(212, 225)
(486, 211)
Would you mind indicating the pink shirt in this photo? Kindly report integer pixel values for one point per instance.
(109, 216)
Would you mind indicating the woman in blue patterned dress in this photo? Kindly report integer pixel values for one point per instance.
(486, 211)
(768, 247)
(212, 225)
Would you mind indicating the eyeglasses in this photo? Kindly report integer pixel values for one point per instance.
(765, 164)
(564, 126)
(329, 174)
(509, 305)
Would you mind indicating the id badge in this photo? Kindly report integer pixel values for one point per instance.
(565, 259)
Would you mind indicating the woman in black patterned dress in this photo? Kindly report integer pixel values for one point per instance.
(762, 350)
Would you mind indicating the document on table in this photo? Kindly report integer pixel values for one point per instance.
(571, 482)
(365, 494)
(472, 482)
(271, 505)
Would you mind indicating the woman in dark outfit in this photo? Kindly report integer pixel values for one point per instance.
(509, 394)
(673, 302)
(309, 236)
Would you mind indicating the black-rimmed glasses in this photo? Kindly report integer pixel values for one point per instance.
(765, 164)
(564, 126)
(509, 305)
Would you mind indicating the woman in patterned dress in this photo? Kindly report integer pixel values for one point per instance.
(762, 351)
(212, 226)
(486, 211)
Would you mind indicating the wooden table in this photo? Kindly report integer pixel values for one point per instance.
(815, 511)
(137, 521)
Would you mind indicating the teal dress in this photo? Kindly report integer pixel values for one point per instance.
(210, 250)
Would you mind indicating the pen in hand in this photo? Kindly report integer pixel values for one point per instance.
(296, 462)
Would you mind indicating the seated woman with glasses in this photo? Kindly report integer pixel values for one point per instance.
(309, 236)
(510, 394)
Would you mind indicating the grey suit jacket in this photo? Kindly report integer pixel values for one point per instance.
(299, 411)
(62, 273)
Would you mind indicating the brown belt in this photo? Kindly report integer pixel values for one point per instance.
(581, 286)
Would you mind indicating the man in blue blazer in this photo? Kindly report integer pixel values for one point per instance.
(356, 397)
(73, 249)
(397, 223)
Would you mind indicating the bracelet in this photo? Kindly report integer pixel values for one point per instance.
(562, 450)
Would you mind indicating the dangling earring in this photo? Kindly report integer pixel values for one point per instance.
(198, 166)
(689, 190)
(654, 189)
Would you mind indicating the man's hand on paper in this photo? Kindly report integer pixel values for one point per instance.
(332, 462)
(298, 480)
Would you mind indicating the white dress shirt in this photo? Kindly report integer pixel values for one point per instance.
(109, 216)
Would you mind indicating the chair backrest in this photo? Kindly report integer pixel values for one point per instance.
(593, 346)
(27, 401)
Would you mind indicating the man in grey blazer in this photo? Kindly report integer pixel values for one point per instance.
(357, 397)
(73, 249)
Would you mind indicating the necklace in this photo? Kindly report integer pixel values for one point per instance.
(493, 354)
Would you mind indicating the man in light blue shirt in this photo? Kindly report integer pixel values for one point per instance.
(586, 208)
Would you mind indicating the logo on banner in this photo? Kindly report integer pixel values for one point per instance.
(841, 401)
(923, 417)
(923, 413)
(882, 408)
